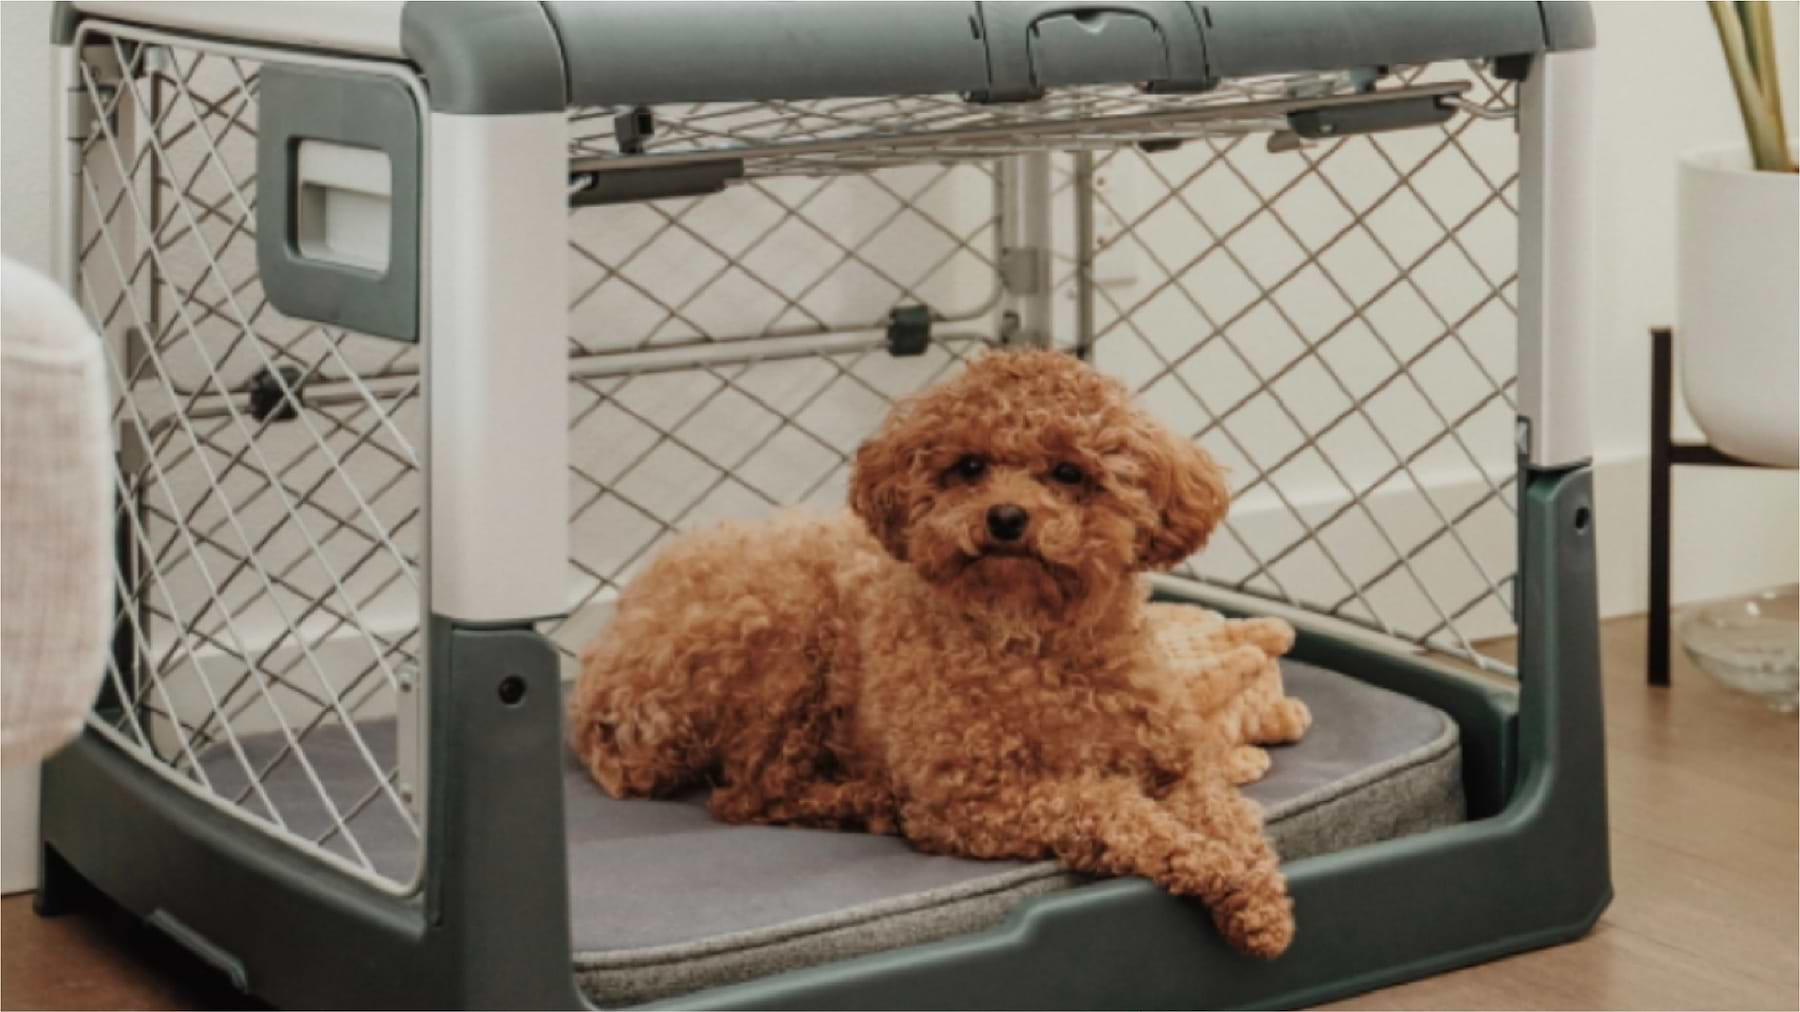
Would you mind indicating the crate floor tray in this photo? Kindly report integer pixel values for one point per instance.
(665, 901)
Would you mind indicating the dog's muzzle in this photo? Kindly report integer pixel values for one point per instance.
(1007, 522)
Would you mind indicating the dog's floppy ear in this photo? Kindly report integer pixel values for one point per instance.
(1186, 492)
(878, 478)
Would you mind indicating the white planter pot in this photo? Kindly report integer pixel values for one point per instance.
(1738, 310)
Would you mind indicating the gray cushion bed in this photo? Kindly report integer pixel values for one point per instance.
(665, 901)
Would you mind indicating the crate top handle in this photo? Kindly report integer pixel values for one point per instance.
(501, 58)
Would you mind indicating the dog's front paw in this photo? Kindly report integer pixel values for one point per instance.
(1250, 907)
(1259, 919)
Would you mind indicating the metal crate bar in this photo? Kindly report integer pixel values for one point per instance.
(858, 135)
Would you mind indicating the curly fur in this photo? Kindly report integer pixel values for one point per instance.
(1236, 678)
(904, 669)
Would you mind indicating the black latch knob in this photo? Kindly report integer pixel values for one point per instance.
(268, 398)
(909, 331)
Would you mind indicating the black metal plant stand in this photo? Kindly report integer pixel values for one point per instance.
(1665, 455)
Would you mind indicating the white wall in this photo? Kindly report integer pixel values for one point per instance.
(25, 90)
(1664, 90)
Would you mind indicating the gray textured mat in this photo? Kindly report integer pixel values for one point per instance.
(667, 901)
(664, 900)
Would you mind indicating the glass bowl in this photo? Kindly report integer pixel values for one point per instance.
(1749, 643)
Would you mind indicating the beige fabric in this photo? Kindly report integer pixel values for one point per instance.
(55, 516)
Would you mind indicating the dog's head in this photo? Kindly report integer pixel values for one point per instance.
(1030, 489)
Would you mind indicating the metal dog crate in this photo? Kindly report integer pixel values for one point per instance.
(428, 323)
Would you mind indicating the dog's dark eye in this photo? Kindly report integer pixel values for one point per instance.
(969, 468)
(1068, 474)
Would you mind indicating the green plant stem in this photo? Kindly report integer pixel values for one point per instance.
(1761, 37)
(1768, 147)
(1746, 24)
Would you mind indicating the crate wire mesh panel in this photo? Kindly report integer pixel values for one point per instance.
(726, 356)
(270, 592)
(1332, 320)
(1336, 325)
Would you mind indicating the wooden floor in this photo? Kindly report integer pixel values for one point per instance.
(1706, 866)
(1704, 802)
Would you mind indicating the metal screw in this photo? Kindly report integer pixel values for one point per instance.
(512, 690)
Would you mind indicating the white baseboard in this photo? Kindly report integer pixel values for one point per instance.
(1733, 531)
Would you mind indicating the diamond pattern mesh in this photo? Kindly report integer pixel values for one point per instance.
(1335, 324)
(785, 258)
(659, 452)
(269, 582)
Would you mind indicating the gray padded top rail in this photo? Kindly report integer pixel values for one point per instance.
(622, 54)
(497, 58)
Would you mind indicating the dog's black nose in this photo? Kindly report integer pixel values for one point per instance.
(1007, 521)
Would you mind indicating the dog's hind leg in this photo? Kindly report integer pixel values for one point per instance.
(633, 740)
(821, 804)
(644, 717)
(709, 639)
(783, 767)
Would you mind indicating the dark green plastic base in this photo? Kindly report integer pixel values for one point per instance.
(490, 927)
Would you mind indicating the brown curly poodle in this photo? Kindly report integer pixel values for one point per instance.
(967, 658)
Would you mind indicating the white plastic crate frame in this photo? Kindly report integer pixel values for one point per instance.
(726, 354)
